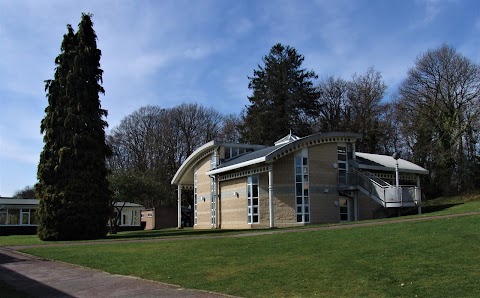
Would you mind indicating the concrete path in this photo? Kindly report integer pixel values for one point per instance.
(40, 278)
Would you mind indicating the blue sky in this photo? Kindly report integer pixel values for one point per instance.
(169, 52)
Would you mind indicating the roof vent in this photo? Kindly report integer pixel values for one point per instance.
(287, 139)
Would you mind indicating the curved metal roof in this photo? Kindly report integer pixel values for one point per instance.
(379, 162)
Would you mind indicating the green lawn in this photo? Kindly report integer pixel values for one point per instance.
(440, 206)
(439, 258)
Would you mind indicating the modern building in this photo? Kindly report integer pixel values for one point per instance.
(297, 181)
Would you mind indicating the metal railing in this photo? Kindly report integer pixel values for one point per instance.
(384, 193)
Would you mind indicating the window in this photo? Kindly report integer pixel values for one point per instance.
(342, 165)
(13, 217)
(252, 199)
(25, 216)
(231, 152)
(213, 204)
(195, 197)
(302, 195)
(3, 216)
(344, 210)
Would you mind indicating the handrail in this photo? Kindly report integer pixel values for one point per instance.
(387, 194)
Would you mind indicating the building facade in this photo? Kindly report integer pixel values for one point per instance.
(297, 181)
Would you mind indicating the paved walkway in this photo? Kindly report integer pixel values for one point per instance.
(42, 278)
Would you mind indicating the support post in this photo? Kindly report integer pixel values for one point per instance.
(270, 195)
(179, 202)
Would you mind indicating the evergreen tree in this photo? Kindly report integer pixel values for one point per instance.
(283, 99)
(72, 188)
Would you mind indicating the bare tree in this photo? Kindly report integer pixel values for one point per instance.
(335, 111)
(28, 192)
(439, 108)
(365, 93)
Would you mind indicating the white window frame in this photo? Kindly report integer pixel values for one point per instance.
(342, 162)
(253, 210)
(195, 197)
(302, 186)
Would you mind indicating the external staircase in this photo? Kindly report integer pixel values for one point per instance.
(385, 194)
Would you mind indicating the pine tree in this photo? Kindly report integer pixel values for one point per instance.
(72, 188)
(283, 99)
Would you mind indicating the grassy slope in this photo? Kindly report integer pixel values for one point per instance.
(436, 258)
(440, 206)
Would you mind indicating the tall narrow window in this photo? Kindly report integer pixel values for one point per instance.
(342, 165)
(213, 190)
(195, 198)
(25, 216)
(252, 199)
(213, 204)
(3, 216)
(344, 210)
(302, 196)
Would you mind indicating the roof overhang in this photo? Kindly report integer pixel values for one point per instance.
(18, 203)
(388, 163)
(183, 175)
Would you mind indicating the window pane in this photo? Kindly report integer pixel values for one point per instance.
(249, 219)
(249, 202)
(298, 189)
(255, 179)
(307, 218)
(342, 157)
(342, 166)
(255, 191)
(305, 178)
(255, 210)
(307, 210)
(298, 170)
(249, 191)
(14, 216)
(306, 200)
(343, 202)
(299, 209)
(298, 161)
(343, 217)
(298, 178)
(249, 210)
(255, 202)
(299, 200)
(305, 170)
(255, 218)
(299, 218)
(3, 218)
(33, 219)
(25, 218)
(305, 192)
(305, 161)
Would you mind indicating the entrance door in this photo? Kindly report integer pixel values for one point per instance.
(344, 209)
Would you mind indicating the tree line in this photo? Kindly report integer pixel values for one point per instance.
(433, 120)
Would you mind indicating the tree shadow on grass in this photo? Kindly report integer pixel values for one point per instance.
(435, 208)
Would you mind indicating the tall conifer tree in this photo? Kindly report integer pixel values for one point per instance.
(283, 99)
(72, 187)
